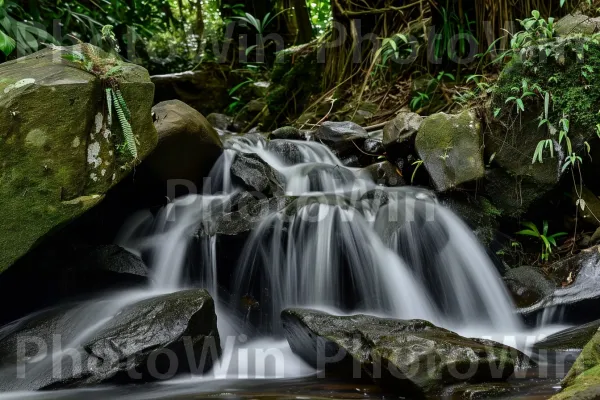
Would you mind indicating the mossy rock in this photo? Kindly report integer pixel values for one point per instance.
(583, 380)
(451, 149)
(57, 147)
(558, 67)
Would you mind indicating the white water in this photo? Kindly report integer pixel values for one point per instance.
(333, 249)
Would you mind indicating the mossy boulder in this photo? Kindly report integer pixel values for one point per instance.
(451, 149)
(413, 358)
(565, 69)
(58, 148)
(577, 23)
(583, 380)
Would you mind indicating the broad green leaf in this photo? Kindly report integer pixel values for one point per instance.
(7, 44)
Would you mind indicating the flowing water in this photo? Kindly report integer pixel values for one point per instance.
(343, 245)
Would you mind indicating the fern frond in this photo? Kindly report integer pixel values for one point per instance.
(123, 104)
(129, 138)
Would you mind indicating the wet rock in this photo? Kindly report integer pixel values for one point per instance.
(570, 339)
(188, 145)
(591, 214)
(287, 151)
(583, 380)
(451, 149)
(373, 147)
(480, 391)
(578, 23)
(257, 175)
(401, 130)
(334, 132)
(392, 352)
(383, 173)
(512, 195)
(528, 285)
(288, 133)
(148, 340)
(219, 121)
(58, 148)
(578, 302)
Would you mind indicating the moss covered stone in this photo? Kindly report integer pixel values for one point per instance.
(57, 148)
(583, 380)
(451, 148)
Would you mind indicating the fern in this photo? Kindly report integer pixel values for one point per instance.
(122, 103)
(130, 145)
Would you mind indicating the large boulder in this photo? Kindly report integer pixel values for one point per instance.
(414, 358)
(577, 23)
(188, 146)
(257, 175)
(512, 136)
(583, 380)
(528, 285)
(402, 129)
(58, 154)
(451, 148)
(569, 339)
(148, 340)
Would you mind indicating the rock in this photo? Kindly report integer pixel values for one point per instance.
(402, 129)
(373, 147)
(528, 285)
(572, 24)
(569, 339)
(188, 146)
(62, 274)
(451, 149)
(130, 347)
(481, 391)
(288, 133)
(58, 154)
(392, 352)
(287, 151)
(477, 211)
(512, 195)
(583, 380)
(512, 137)
(333, 132)
(206, 90)
(578, 302)
(219, 121)
(383, 173)
(257, 175)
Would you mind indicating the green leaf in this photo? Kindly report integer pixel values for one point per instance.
(7, 44)
(536, 14)
(547, 243)
(545, 231)
(520, 105)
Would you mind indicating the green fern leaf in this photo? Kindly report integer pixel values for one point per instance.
(129, 138)
(123, 104)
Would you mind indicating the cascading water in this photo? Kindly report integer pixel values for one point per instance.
(342, 244)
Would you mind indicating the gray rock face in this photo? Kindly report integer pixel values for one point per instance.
(287, 151)
(570, 339)
(528, 285)
(401, 129)
(287, 132)
(579, 302)
(257, 175)
(188, 145)
(219, 121)
(149, 340)
(413, 358)
(451, 148)
(577, 24)
(340, 131)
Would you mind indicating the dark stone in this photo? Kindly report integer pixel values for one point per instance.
(288, 133)
(570, 339)
(257, 175)
(579, 302)
(340, 131)
(130, 347)
(188, 146)
(528, 285)
(476, 211)
(401, 131)
(373, 147)
(392, 352)
(287, 151)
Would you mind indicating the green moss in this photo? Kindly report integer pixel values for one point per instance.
(562, 75)
(489, 209)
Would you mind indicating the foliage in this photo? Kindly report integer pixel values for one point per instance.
(547, 241)
(320, 15)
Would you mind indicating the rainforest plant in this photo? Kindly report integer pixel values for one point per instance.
(547, 241)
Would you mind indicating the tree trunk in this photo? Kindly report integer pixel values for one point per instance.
(303, 23)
